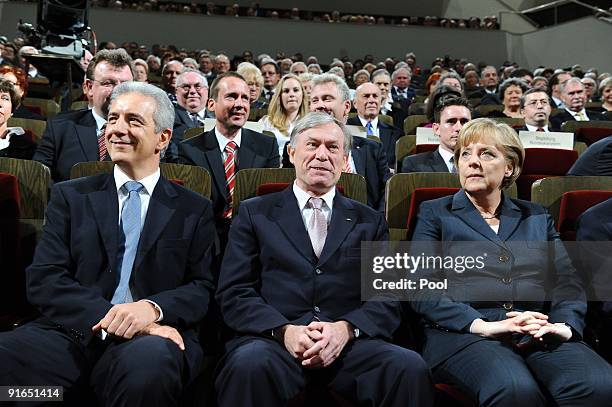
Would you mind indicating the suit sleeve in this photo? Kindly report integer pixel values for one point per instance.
(383, 175)
(378, 318)
(434, 307)
(51, 285)
(46, 150)
(273, 156)
(184, 154)
(188, 303)
(243, 309)
(407, 165)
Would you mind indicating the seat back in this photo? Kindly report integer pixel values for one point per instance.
(192, 132)
(549, 191)
(414, 121)
(424, 194)
(591, 135)
(194, 178)
(37, 127)
(49, 108)
(79, 104)
(572, 205)
(34, 179)
(249, 182)
(404, 147)
(572, 126)
(484, 110)
(541, 163)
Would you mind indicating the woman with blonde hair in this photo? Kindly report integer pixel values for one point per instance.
(254, 79)
(289, 103)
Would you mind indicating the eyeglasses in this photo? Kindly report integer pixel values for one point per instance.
(186, 88)
(108, 83)
(534, 103)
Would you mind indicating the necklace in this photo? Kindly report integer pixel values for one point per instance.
(495, 215)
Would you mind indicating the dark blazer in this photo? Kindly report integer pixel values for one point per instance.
(595, 225)
(517, 268)
(268, 279)
(73, 275)
(69, 138)
(256, 151)
(388, 136)
(429, 161)
(596, 160)
(20, 146)
(371, 162)
(557, 120)
(401, 103)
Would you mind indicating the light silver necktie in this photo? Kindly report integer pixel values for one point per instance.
(317, 227)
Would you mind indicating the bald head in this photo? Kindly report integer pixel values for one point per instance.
(367, 101)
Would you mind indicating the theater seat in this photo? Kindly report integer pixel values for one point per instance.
(424, 194)
(542, 163)
(412, 122)
(423, 148)
(591, 135)
(572, 205)
(404, 147)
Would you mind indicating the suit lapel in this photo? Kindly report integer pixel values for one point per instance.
(160, 211)
(468, 213)
(510, 217)
(87, 135)
(358, 156)
(437, 162)
(246, 152)
(343, 220)
(289, 219)
(213, 156)
(105, 206)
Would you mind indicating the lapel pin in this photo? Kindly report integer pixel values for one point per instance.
(348, 219)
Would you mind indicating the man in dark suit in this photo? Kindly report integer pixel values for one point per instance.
(249, 149)
(596, 160)
(401, 93)
(450, 115)
(489, 79)
(574, 99)
(535, 108)
(367, 103)
(293, 325)
(76, 137)
(382, 79)
(121, 275)
(169, 73)
(554, 88)
(330, 94)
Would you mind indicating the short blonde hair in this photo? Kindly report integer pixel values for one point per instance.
(250, 71)
(503, 136)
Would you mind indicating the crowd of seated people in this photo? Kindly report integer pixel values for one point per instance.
(278, 269)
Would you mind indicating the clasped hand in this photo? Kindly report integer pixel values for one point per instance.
(136, 318)
(319, 344)
(528, 322)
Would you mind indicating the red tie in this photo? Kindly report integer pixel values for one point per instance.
(347, 166)
(101, 144)
(540, 129)
(230, 175)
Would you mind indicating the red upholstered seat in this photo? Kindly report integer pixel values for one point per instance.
(10, 198)
(271, 187)
(572, 205)
(424, 194)
(591, 135)
(542, 163)
(423, 148)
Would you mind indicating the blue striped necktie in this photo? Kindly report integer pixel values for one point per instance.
(128, 240)
(369, 129)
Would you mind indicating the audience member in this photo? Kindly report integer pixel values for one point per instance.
(574, 100)
(271, 76)
(78, 136)
(169, 73)
(254, 79)
(488, 81)
(535, 109)
(605, 91)
(14, 142)
(292, 325)
(554, 87)
(298, 68)
(190, 111)
(141, 70)
(19, 79)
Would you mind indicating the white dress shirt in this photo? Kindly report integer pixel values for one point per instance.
(222, 140)
(448, 157)
(535, 128)
(306, 211)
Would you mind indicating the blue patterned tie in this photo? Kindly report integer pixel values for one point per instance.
(128, 240)
(369, 129)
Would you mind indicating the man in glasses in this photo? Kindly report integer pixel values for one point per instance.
(535, 108)
(77, 136)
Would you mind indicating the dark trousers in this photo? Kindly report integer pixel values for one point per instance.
(494, 374)
(261, 372)
(144, 371)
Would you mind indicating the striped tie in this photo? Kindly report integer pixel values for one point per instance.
(101, 144)
(347, 166)
(230, 175)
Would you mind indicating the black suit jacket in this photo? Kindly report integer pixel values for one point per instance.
(74, 272)
(19, 146)
(256, 151)
(596, 160)
(23, 112)
(69, 138)
(557, 120)
(268, 280)
(429, 161)
(519, 251)
(371, 162)
(388, 136)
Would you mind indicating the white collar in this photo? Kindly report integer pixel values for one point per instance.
(100, 121)
(374, 122)
(148, 182)
(303, 196)
(535, 128)
(446, 155)
(222, 140)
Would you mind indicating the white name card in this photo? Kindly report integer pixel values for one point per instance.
(539, 139)
(425, 135)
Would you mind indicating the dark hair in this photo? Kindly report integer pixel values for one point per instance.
(511, 82)
(446, 101)
(117, 58)
(214, 88)
(8, 87)
(520, 72)
(554, 80)
(529, 92)
(271, 62)
(437, 93)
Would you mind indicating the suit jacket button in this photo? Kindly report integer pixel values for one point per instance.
(508, 306)
(503, 258)
(316, 309)
(507, 280)
(319, 271)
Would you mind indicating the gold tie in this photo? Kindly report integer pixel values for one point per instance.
(581, 116)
